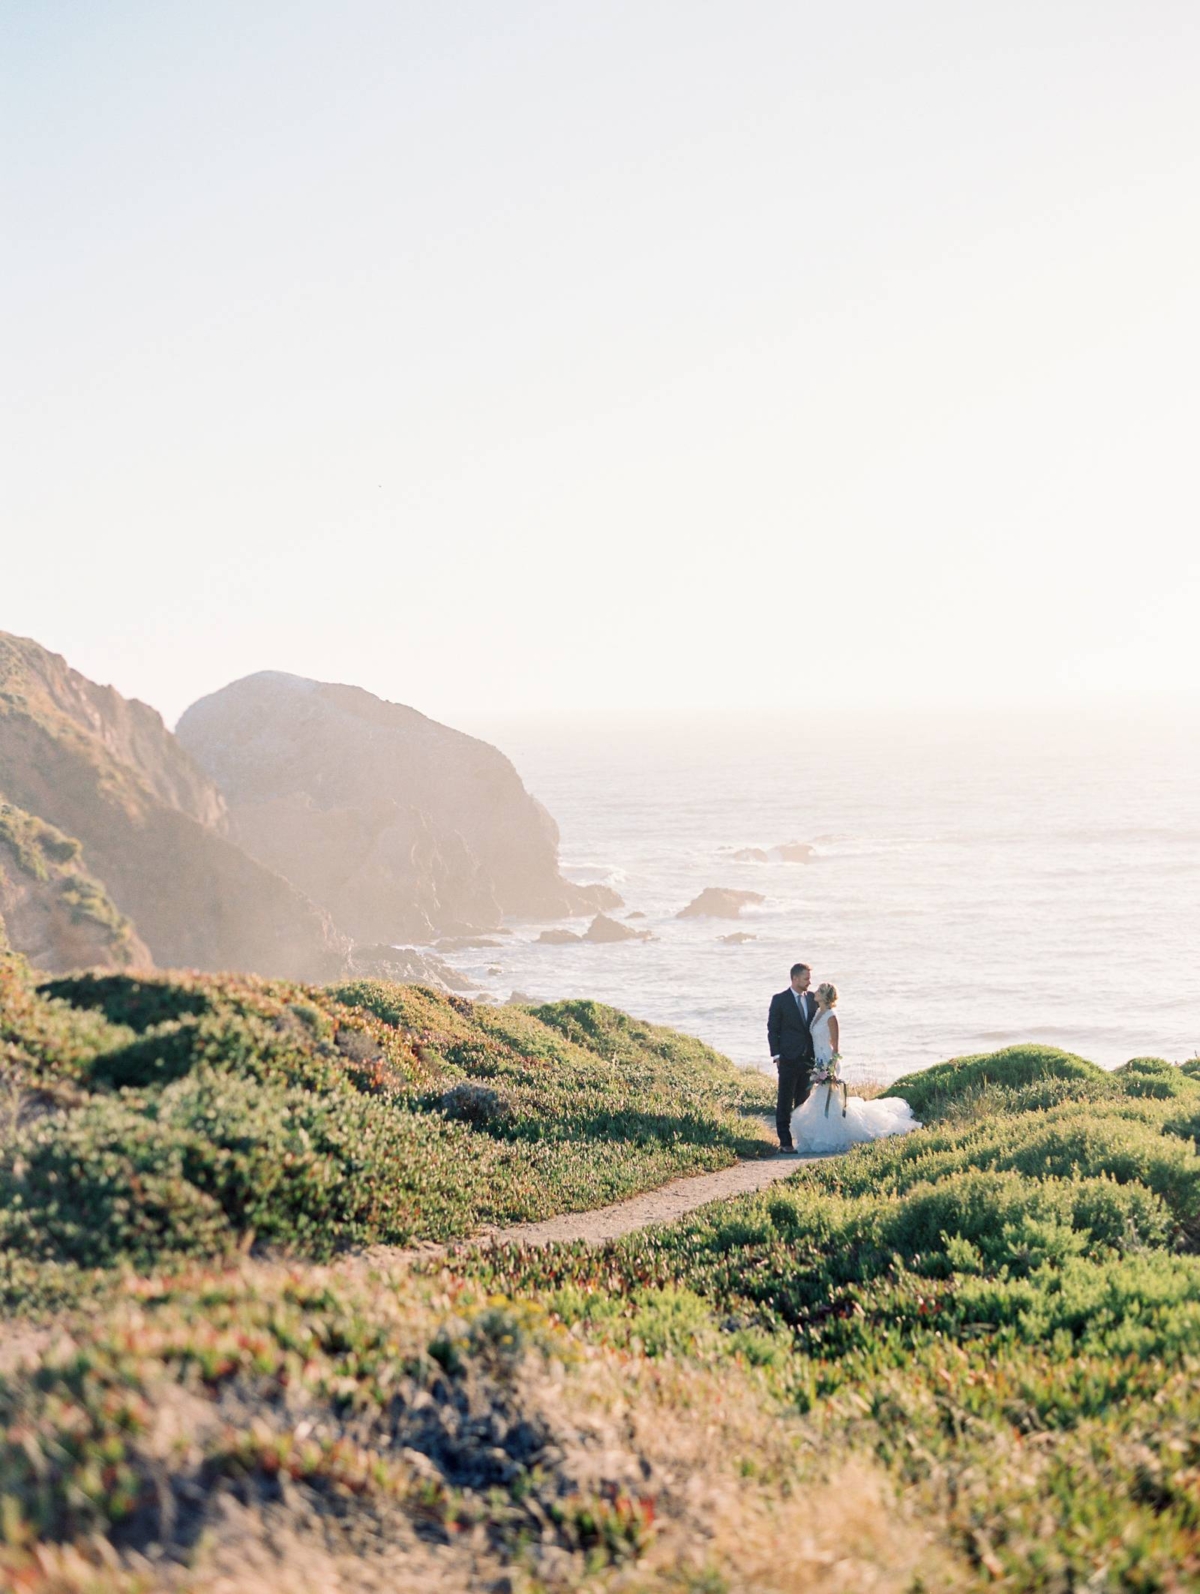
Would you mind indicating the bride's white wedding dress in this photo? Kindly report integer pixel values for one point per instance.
(815, 1131)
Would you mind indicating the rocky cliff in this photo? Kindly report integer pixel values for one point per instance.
(401, 827)
(153, 827)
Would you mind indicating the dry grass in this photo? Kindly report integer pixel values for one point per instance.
(867, 1087)
(752, 1509)
(656, 1477)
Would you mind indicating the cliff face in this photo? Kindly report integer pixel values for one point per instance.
(126, 738)
(58, 914)
(402, 827)
(153, 827)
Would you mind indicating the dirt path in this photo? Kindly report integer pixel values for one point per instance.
(668, 1202)
(664, 1205)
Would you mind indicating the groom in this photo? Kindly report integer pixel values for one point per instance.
(788, 1035)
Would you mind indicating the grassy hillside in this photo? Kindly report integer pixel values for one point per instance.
(193, 1115)
(966, 1359)
(1001, 1310)
(253, 1428)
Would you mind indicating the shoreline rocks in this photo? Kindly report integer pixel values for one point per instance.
(796, 851)
(604, 929)
(720, 902)
(404, 965)
(785, 852)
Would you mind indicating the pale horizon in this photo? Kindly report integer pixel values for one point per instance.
(1055, 712)
(579, 361)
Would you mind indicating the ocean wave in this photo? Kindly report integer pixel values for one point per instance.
(593, 874)
(819, 847)
(869, 846)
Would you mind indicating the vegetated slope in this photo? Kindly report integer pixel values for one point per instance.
(400, 826)
(184, 1115)
(255, 1428)
(1002, 1309)
(60, 915)
(255, 1425)
(106, 770)
(963, 1359)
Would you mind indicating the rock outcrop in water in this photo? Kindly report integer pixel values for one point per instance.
(403, 828)
(105, 770)
(405, 965)
(795, 851)
(719, 902)
(604, 929)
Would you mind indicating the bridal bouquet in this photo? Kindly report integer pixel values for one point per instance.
(830, 1075)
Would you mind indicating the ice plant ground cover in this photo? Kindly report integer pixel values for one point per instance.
(964, 1359)
(1002, 1310)
(191, 1115)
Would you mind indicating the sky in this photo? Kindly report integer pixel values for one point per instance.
(565, 357)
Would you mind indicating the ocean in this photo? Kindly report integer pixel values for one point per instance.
(974, 881)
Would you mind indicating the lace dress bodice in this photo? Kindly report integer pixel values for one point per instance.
(819, 1030)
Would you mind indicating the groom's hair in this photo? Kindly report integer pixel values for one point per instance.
(798, 968)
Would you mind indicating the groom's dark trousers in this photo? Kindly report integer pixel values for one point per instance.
(790, 1040)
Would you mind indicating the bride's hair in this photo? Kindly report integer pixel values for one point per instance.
(827, 994)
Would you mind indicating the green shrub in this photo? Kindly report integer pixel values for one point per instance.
(312, 1119)
(1000, 1309)
(45, 1044)
(999, 1212)
(105, 1184)
(1154, 1077)
(317, 1173)
(140, 1003)
(1115, 1139)
(245, 1045)
(934, 1091)
(215, 1156)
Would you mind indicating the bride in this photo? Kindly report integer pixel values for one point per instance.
(832, 1120)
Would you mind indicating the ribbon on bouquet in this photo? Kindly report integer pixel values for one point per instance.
(836, 1084)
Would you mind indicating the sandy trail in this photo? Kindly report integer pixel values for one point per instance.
(664, 1205)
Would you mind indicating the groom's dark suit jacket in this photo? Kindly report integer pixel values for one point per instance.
(788, 1034)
